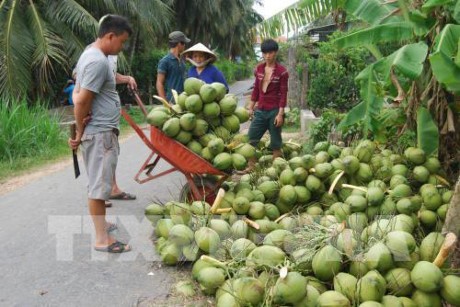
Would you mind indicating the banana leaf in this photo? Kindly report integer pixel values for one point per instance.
(369, 108)
(427, 132)
(391, 32)
(456, 14)
(431, 4)
(372, 11)
(442, 59)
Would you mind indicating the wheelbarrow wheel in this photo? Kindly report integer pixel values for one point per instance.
(207, 187)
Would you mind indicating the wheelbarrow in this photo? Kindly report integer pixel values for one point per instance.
(203, 179)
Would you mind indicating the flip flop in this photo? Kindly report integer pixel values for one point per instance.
(115, 248)
(108, 204)
(123, 196)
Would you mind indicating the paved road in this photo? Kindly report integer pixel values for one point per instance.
(46, 257)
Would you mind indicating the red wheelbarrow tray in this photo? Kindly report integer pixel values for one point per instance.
(180, 157)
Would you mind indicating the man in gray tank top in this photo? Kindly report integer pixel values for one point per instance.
(95, 93)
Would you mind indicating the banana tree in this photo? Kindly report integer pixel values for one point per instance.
(419, 77)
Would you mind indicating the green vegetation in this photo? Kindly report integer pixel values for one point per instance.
(29, 137)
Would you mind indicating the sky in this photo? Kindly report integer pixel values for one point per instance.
(271, 7)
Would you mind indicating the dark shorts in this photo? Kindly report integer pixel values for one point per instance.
(263, 121)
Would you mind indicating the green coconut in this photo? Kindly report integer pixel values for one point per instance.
(379, 258)
(388, 207)
(180, 213)
(207, 239)
(287, 195)
(280, 238)
(191, 252)
(405, 206)
(430, 246)
(326, 263)
(239, 229)
(242, 114)
(371, 304)
(423, 299)
(198, 266)
(193, 103)
(211, 278)
(192, 85)
(346, 284)
(313, 183)
(222, 228)
(157, 118)
(227, 300)
(426, 276)
(357, 221)
(432, 200)
(397, 179)
(265, 256)
(407, 302)
(332, 299)
(358, 266)
(162, 228)
(391, 301)
(170, 254)
(421, 174)
(288, 223)
(450, 290)
(154, 212)
(249, 291)
(400, 191)
(371, 287)
(271, 211)
(256, 210)
(401, 244)
(310, 299)
(428, 218)
(180, 235)
(442, 211)
(415, 155)
(241, 248)
(270, 189)
(403, 222)
(350, 164)
(399, 282)
(375, 196)
(241, 205)
(222, 161)
(357, 203)
(447, 196)
(290, 289)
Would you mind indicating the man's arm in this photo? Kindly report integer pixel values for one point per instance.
(82, 100)
(279, 120)
(122, 79)
(160, 85)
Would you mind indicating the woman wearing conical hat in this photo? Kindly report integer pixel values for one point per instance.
(202, 58)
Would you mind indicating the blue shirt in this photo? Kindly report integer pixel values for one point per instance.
(174, 71)
(209, 75)
(69, 90)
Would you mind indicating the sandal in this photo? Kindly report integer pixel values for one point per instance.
(108, 204)
(123, 196)
(116, 248)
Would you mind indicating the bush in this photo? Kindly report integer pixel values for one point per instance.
(332, 75)
(234, 71)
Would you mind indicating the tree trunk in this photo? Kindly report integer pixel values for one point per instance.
(304, 86)
(452, 223)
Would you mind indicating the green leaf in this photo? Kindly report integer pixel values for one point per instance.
(431, 4)
(446, 48)
(456, 14)
(408, 61)
(392, 32)
(427, 132)
(369, 108)
(372, 11)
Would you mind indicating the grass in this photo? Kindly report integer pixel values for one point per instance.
(30, 137)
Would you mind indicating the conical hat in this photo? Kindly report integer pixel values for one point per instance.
(201, 48)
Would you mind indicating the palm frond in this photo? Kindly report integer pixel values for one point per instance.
(16, 53)
(373, 12)
(49, 48)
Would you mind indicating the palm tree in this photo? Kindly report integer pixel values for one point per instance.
(220, 24)
(40, 38)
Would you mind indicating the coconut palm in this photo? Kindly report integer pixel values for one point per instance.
(221, 24)
(40, 38)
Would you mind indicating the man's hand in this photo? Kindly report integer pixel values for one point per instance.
(132, 85)
(74, 143)
(279, 120)
(251, 114)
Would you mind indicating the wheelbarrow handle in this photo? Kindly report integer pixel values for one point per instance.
(139, 102)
